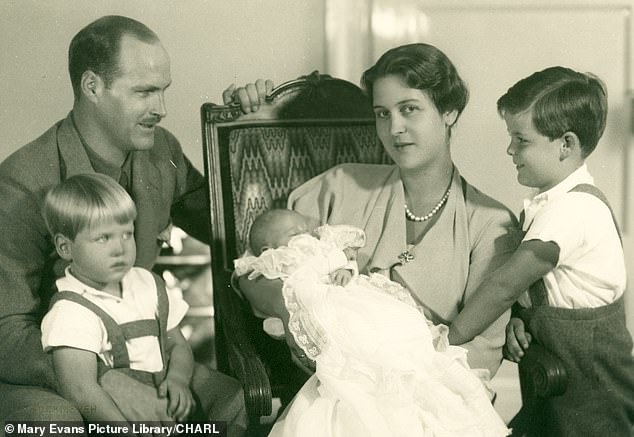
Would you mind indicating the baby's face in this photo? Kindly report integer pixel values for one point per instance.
(287, 227)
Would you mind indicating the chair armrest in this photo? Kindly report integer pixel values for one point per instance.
(233, 319)
(542, 374)
(250, 371)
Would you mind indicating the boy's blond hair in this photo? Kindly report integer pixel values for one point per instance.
(84, 200)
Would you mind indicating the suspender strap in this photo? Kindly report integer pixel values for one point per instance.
(116, 336)
(163, 311)
(140, 328)
(591, 189)
(537, 290)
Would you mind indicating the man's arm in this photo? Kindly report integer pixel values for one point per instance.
(530, 262)
(25, 259)
(190, 209)
(22, 360)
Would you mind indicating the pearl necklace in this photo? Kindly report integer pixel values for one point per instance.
(414, 218)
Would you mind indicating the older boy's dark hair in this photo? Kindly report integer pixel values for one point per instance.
(96, 47)
(424, 67)
(561, 100)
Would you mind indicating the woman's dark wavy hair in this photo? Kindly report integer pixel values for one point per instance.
(424, 67)
(562, 100)
(96, 47)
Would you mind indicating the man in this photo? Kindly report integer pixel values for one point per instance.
(119, 72)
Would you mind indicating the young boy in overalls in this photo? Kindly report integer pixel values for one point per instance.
(108, 314)
(570, 258)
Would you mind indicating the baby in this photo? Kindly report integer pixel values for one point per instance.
(377, 369)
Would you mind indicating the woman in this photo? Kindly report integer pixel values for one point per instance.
(426, 227)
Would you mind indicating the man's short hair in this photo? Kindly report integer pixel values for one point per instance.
(84, 200)
(561, 100)
(96, 47)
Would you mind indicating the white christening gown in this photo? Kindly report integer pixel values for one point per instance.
(381, 368)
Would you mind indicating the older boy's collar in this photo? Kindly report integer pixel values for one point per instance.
(579, 176)
(531, 206)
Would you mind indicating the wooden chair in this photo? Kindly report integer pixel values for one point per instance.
(542, 376)
(252, 163)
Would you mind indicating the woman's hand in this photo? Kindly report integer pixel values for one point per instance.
(517, 340)
(251, 96)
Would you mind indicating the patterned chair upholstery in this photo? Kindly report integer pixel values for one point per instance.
(268, 162)
(252, 162)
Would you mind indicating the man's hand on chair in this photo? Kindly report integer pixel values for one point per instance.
(251, 96)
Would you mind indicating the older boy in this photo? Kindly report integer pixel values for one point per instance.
(571, 253)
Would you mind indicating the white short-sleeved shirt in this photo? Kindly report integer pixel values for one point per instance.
(590, 271)
(73, 325)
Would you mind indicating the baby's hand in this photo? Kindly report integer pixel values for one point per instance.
(181, 402)
(341, 277)
(351, 253)
(517, 340)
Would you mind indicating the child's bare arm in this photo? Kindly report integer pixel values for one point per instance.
(76, 372)
(179, 374)
(517, 340)
(497, 293)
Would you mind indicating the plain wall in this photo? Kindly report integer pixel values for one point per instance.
(212, 43)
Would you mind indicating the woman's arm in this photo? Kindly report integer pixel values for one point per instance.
(76, 372)
(265, 296)
(532, 260)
